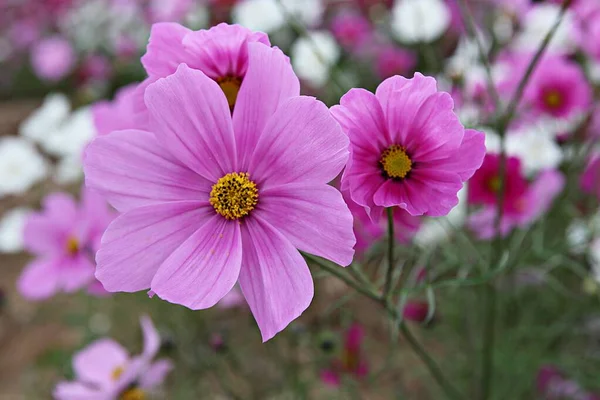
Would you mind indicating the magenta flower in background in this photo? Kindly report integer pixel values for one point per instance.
(590, 180)
(408, 148)
(209, 200)
(392, 60)
(351, 30)
(126, 111)
(105, 371)
(416, 311)
(232, 299)
(53, 58)
(351, 361)
(552, 384)
(64, 237)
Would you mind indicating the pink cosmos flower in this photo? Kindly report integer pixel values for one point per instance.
(552, 384)
(533, 203)
(416, 311)
(408, 148)
(392, 60)
(558, 88)
(209, 200)
(53, 58)
(590, 180)
(351, 30)
(351, 362)
(126, 111)
(368, 231)
(105, 371)
(64, 237)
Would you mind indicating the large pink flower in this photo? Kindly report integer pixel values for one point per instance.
(104, 370)
(64, 237)
(208, 199)
(408, 148)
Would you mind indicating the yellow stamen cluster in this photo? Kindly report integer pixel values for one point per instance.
(72, 246)
(394, 161)
(133, 394)
(234, 195)
(553, 99)
(230, 85)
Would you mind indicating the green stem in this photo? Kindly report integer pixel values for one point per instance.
(390, 254)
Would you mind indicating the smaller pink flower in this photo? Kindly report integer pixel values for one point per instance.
(351, 30)
(590, 180)
(233, 299)
(391, 60)
(351, 361)
(416, 311)
(126, 111)
(53, 58)
(105, 371)
(64, 237)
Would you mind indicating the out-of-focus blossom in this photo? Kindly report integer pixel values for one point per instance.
(416, 311)
(232, 299)
(351, 362)
(180, 231)
(314, 56)
(105, 371)
(47, 118)
(552, 384)
(53, 58)
(70, 138)
(172, 10)
(537, 23)
(415, 21)
(439, 229)
(590, 180)
(64, 236)
(95, 67)
(269, 16)
(351, 30)
(12, 226)
(126, 111)
(536, 146)
(21, 166)
(408, 148)
(392, 60)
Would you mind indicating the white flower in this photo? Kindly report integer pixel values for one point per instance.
(420, 20)
(20, 166)
(68, 170)
(467, 55)
(313, 56)
(536, 146)
(578, 234)
(72, 136)
(52, 113)
(12, 226)
(436, 230)
(537, 23)
(268, 16)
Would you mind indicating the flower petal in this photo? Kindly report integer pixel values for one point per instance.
(165, 49)
(40, 279)
(97, 362)
(275, 279)
(137, 242)
(269, 81)
(192, 120)
(131, 169)
(77, 391)
(314, 218)
(301, 143)
(156, 374)
(76, 272)
(151, 338)
(204, 268)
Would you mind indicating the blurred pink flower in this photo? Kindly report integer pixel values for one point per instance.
(232, 299)
(416, 311)
(126, 111)
(352, 360)
(94, 67)
(208, 199)
(53, 58)
(351, 30)
(552, 384)
(64, 237)
(105, 371)
(590, 180)
(408, 148)
(392, 60)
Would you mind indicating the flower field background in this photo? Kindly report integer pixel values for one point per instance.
(285, 199)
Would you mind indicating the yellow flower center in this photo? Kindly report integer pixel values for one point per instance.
(117, 372)
(234, 195)
(72, 246)
(395, 162)
(230, 85)
(494, 184)
(553, 99)
(133, 394)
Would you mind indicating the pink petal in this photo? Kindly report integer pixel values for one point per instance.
(541, 195)
(39, 279)
(275, 279)
(204, 268)
(151, 338)
(165, 50)
(76, 273)
(131, 169)
(96, 363)
(269, 81)
(401, 99)
(142, 239)
(191, 118)
(354, 338)
(156, 374)
(77, 391)
(331, 378)
(301, 143)
(314, 218)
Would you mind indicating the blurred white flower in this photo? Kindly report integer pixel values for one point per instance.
(267, 15)
(198, 17)
(68, 170)
(12, 225)
(70, 138)
(492, 140)
(578, 234)
(416, 21)
(537, 23)
(313, 57)
(594, 253)
(20, 166)
(466, 56)
(437, 230)
(52, 113)
(536, 146)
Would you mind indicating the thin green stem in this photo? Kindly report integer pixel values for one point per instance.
(390, 254)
